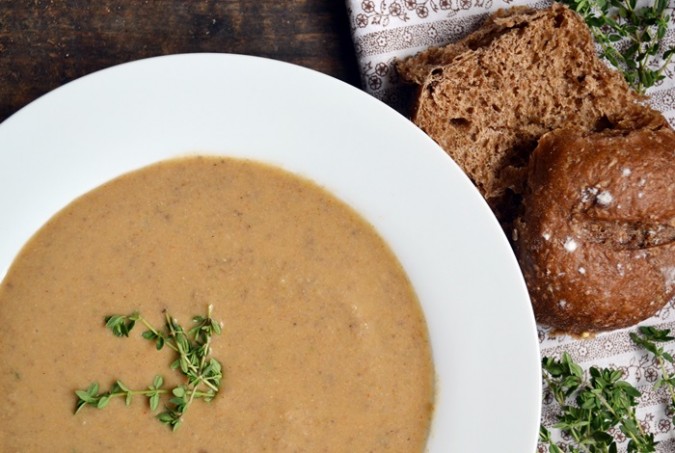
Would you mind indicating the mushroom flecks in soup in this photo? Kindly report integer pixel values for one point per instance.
(324, 346)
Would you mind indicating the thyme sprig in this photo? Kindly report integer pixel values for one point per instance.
(91, 395)
(630, 37)
(648, 338)
(590, 411)
(600, 405)
(202, 373)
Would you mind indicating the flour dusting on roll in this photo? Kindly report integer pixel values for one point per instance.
(596, 240)
(576, 166)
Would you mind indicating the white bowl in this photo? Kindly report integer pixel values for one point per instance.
(480, 321)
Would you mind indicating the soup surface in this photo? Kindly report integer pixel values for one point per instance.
(324, 346)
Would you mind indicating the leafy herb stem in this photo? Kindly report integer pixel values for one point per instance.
(598, 406)
(202, 373)
(158, 335)
(207, 347)
(647, 338)
(630, 37)
(562, 378)
(605, 401)
(667, 379)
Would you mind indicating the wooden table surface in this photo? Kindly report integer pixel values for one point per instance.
(46, 43)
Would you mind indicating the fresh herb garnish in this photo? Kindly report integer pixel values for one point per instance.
(630, 37)
(648, 339)
(193, 348)
(590, 411)
(598, 406)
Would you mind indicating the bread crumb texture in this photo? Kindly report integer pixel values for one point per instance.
(576, 167)
(488, 98)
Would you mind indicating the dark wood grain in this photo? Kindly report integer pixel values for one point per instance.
(44, 44)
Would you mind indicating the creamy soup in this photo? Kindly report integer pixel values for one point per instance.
(323, 346)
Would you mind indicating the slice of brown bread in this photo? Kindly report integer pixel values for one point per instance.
(488, 98)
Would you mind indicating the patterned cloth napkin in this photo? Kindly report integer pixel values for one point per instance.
(384, 30)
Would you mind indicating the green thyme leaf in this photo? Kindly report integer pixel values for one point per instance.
(599, 405)
(122, 387)
(154, 402)
(643, 29)
(149, 335)
(202, 374)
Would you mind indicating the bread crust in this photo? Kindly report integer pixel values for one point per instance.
(568, 157)
(596, 240)
(488, 98)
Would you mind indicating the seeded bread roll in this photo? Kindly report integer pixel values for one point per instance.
(489, 97)
(596, 241)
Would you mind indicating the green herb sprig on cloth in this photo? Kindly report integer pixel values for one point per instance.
(590, 411)
(599, 405)
(648, 338)
(630, 37)
(202, 373)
